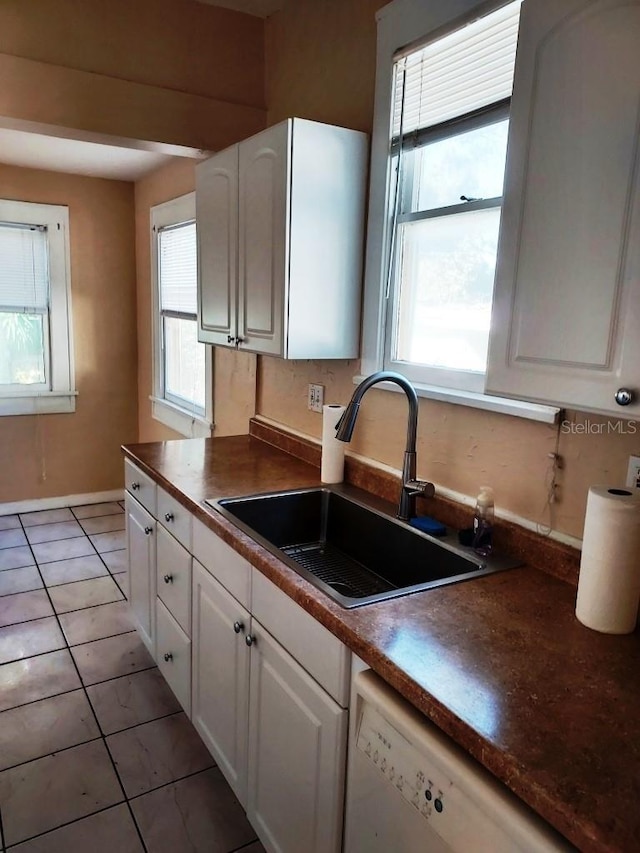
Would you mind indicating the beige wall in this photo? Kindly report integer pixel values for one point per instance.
(173, 71)
(320, 65)
(51, 455)
(234, 374)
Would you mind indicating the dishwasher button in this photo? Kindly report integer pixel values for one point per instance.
(392, 774)
(383, 764)
(428, 795)
(438, 805)
(375, 757)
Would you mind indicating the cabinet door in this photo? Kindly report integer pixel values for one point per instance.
(263, 238)
(297, 754)
(217, 226)
(174, 655)
(566, 327)
(221, 676)
(141, 553)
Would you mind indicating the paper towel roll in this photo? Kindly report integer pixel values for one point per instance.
(609, 583)
(332, 470)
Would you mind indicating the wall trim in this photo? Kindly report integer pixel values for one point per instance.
(15, 507)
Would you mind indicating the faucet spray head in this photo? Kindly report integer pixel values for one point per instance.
(346, 424)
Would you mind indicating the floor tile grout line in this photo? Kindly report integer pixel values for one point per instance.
(97, 722)
(10, 847)
(53, 752)
(213, 766)
(244, 846)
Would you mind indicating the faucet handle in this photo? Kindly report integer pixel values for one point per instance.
(420, 488)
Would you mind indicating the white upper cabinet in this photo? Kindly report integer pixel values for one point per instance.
(280, 234)
(217, 227)
(566, 320)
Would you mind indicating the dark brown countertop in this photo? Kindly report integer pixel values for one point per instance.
(499, 663)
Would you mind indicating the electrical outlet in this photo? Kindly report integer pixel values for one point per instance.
(633, 473)
(316, 398)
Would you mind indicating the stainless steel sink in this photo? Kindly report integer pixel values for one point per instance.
(353, 552)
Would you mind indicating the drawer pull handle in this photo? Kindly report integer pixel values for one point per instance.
(168, 656)
(168, 516)
(238, 627)
(168, 578)
(135, 486)
(249, 640)
(148, 530)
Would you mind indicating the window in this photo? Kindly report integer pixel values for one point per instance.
(182, 375)
(443, 89)
(36, 365)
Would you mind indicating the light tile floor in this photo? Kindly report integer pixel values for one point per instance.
(95, 751)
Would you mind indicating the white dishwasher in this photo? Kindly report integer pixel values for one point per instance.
(410, 789)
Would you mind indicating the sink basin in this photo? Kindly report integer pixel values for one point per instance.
(356, 554)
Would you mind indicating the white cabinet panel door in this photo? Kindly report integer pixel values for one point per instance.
(566, 323)
(297, 754)
(221, 676)
(263, 239)
(141, 551)
(217, 224)
(174, 655)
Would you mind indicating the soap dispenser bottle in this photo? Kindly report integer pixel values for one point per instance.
(483, 522)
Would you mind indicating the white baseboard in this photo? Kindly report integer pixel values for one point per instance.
(64, 500)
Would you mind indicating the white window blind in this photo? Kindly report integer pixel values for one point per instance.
(178, 269)
(466, 70)
(24, 275)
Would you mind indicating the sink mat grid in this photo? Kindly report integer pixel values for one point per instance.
(331, 566)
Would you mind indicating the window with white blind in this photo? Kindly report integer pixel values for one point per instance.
(182, 365)
(443, 90)
(36, 365)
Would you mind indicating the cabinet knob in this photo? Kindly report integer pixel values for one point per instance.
(231, 339)
(135, 486)
(624, 396)
(238, 627)
(168, 578)
(239, 340)
(168, 516)
(168, 656)
(148, 530)
(249, 640)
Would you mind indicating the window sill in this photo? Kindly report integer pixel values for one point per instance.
(180, 420)
(502, 405)
(39, 403)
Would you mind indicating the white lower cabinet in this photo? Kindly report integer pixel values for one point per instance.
(297, 754)
(269, 702)
(174, 655)
(276, 734)
(141, 551)
(221, 676)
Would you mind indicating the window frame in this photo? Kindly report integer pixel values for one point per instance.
(59, 395)
(401, 24)
(167, 409)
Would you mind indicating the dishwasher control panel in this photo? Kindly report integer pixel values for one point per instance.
(405, 768)
(412, 786)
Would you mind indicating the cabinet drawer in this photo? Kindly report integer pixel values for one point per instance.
(173, 570)
(227, 566)
(311, 644)
(141, 486)
(174, 655)
(174, 517)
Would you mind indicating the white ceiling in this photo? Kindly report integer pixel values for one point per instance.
(98, 156)
(261, 8)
